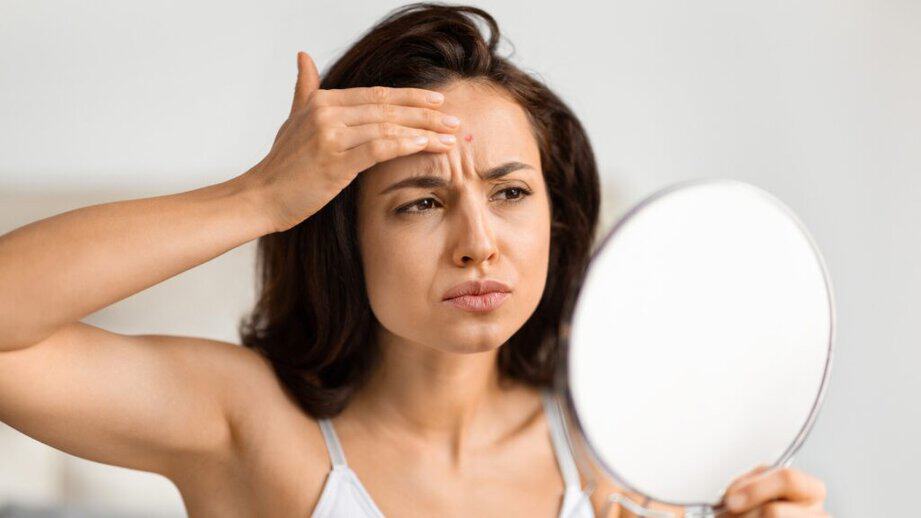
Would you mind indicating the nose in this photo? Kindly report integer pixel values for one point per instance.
(475, 241)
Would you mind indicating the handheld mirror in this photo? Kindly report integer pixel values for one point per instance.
(699, 344)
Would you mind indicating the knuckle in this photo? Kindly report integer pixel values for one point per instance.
(318, 97)
(422, 95)
(749, 493)
(379, 149)
(434, 117)
(379, 93)
(822, 490)
(771, 511)
(388, 111)
(321, 115)
(326, 139)
(789, 476)
(388, 130)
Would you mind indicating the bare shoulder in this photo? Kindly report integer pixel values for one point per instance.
(237, 374)
(146, 402)
(209, 415)
(277, 457)
(256, 403)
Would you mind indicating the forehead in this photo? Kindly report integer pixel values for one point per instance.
(498, 128)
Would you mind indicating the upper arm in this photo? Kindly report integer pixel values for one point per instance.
(146, 402)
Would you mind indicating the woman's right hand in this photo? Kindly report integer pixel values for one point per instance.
(332, 135)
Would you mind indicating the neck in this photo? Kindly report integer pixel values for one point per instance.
(447, 402)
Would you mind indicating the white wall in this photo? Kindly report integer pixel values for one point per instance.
(815, 101)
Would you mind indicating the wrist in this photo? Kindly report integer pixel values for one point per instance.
(253, 195)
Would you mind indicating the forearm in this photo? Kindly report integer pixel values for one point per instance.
(59, 269)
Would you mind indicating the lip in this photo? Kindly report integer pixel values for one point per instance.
(478, 296)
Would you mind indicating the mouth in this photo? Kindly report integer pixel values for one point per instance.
(479, 303)
(478, 296)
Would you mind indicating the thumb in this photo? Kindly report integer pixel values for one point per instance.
(308, 81)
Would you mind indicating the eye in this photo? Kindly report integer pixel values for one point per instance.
(422, 204)
(515, 194)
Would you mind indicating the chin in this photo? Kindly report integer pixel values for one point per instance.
(475, 340)
(482, 347)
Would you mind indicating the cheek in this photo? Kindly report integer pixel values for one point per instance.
(401, 263)
(530, 251)
(399, 267)
(530, 235)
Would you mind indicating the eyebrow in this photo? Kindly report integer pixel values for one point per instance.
(432, 182)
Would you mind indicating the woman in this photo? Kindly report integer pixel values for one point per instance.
(411, 291)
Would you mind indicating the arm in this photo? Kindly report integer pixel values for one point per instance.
(142, 401)
(158, 403)
(154, 403)
(58, 270)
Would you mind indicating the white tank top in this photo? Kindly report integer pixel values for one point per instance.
(344, 496)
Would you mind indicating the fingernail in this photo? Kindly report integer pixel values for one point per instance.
(447, 139)
(451, 120)
(735, 502)
(436, 97)
(420, 140)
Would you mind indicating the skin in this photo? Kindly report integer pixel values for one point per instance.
(213, 418)
(436, 355)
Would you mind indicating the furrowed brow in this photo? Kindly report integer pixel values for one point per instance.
(433, 182)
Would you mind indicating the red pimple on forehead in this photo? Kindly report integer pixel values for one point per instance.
(468, 138)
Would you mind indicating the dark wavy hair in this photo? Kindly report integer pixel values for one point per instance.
(313, 320)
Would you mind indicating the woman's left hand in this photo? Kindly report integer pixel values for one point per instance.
(776, 493)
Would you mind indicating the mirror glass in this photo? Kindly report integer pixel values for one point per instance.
(700, 341)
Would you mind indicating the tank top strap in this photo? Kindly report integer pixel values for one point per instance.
(557, 424)
(336, 455)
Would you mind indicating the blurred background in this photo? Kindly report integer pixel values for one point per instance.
(818, 102)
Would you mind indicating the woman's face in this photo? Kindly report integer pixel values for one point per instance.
(418, 242)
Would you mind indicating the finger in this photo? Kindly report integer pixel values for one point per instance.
(779, 484)
(743, 479)
(406, 96)
(353, 136)
(308, 81)
(785, 510)
(423, 118)
(366, 155)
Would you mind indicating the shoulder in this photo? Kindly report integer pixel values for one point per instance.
(275, 445)
(256, 402)
(236, 374)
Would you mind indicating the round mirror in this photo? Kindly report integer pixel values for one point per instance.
(699, 345)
